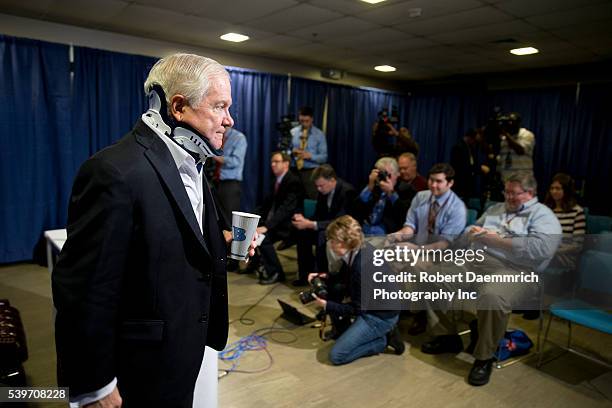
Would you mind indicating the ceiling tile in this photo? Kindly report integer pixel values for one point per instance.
(346, 26)
(350, 7)
(87, 10)
(375, 37)
(456, 21)
(399, 13)
(293, 18)
(526, 8)
(26, 8)
(485, 34)
(583, 15)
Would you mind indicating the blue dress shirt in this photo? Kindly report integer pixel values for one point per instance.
(234, 150)
(450, 220)
(316, 146)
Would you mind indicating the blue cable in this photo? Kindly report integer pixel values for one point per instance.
(234, 351)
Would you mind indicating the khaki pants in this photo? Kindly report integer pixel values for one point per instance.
(492, 309)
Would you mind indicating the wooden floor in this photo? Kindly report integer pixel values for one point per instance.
(301, 375)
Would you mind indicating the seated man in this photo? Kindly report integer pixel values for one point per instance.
(381, 207)
(372, 331)
(276, 212)
(518, 235)
(409, 174)
(334, 199)
(436, 217)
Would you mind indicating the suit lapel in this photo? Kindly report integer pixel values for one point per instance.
(160, 158)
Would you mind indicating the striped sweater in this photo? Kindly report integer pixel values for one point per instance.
(573, 221)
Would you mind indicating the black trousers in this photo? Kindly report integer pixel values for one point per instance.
(307, 261)
(269, 258)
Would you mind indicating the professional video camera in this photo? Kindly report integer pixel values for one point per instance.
(319, 288)
(383, 140)
(287, 122)
(385, 117)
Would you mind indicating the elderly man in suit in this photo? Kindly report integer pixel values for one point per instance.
(140, 286)
(335, 198)
(276, 212)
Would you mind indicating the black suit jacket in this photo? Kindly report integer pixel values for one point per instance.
(342, 203)
(394, 215)
(283, 204)
(139, 290)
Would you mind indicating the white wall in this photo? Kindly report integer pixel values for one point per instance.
(66, 34)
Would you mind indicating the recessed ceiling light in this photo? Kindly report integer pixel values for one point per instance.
(524, 51)
(234, 37)
(372, 1)
(384, 68)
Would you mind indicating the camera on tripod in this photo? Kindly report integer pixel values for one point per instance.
(318, 288)
(287, 122)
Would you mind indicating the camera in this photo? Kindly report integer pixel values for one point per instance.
(318, 288)
(385, 117)
(382, 175)
(287, 122)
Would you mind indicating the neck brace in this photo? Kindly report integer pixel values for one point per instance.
(157, 118)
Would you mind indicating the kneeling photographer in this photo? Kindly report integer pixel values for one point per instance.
(371, 331)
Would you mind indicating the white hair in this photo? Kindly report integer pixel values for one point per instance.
(385, 162)
(185, 74)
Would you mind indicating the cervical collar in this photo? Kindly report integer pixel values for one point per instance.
(157, 118)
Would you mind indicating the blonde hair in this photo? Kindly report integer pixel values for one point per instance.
(189, 75)
(345, 229)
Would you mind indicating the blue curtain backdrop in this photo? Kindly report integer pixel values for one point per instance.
(258, 101)
(34, 129)
(438, 121)
(351, 115)
(306, 92)
(108, 98)
(47, 130)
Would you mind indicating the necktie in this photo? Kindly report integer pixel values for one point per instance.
(434, 208)
(303, 143)
(276, 185)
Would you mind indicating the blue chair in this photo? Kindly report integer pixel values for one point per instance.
(598, 223)
(472, 216)
(595, 277)
(474, 203)
(309, 207)
(603, 242)
(490, 203)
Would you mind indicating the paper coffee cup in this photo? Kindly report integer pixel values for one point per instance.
(244, 226)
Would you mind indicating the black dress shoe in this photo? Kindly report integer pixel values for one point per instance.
(300, 282)
(272, 279)
(394, 339)
(480, 372)
(332, 334)
(232, 265)
(531, 314)
(443, 344)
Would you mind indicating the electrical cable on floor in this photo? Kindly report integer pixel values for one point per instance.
(249, 322)
(256, 341)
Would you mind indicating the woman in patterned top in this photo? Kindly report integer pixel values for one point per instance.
(561, 198)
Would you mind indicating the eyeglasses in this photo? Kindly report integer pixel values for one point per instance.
(512, 194)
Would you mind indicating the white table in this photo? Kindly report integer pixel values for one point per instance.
(205, 394)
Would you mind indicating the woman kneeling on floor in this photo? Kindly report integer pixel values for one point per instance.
(371, 331)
